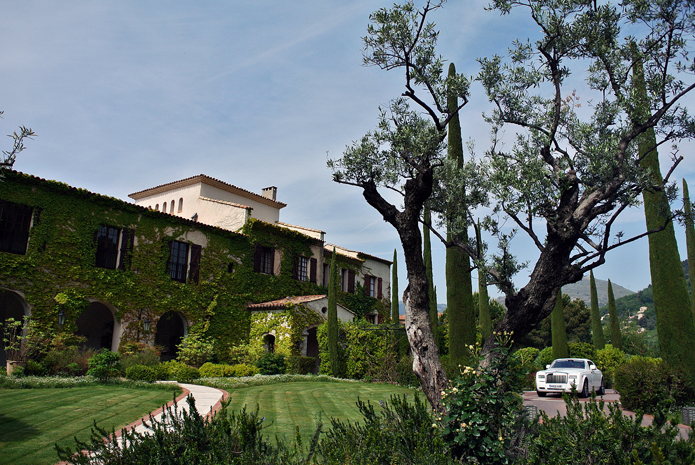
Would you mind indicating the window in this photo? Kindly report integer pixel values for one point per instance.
(301, 268)
(372, 286)
(156, 207)
(114, 247)
(107, 247)
(178, 261)
(15, 222)
(171, 210)
(347, 280)
(180, 204)
(326, 274)
(264, 259)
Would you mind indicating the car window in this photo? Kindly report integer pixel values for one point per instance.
(568, 364)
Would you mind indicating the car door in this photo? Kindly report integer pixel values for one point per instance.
(595, 375)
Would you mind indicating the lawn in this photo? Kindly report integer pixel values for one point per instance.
(32, 420)
(286, 405)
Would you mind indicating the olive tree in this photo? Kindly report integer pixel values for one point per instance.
(570, 171)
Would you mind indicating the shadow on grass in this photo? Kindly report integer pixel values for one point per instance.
(13, 430)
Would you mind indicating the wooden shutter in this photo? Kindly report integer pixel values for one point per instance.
(379, 283)
(367, 285)
(295, 267)
(272, 260)
(313, 264)
(351, 281)
(196, 252)
(257, 258)
(126, 248)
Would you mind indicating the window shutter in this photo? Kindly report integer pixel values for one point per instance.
(351, 281)
(367, 285)
(272, 261)
(313, 264)
(257, 258)
(169, 245)
(125, 236)
(379, 283)
(196, 252)
(295, 267)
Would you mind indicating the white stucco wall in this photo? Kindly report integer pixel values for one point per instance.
(189, 194)
(317, 306)
(379, 270)
(260, 211)
(221, 214)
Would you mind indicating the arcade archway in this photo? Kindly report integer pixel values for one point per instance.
(12, 305)
(96, 324)
(171, 328)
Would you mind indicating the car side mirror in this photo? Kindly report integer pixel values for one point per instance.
(547, 366)
(592, 367)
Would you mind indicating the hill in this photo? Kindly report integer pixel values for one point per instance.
(582, 290)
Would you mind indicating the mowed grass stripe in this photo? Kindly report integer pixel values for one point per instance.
(286, 405)
(33, 420)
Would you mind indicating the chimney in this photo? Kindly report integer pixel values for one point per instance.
(270, 192)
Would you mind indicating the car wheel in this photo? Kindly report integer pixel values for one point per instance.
(585, 389)
(601, 389)
(541, 394)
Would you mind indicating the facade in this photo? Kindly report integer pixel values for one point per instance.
(111, 266)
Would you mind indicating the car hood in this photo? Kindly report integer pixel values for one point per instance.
(563, 370)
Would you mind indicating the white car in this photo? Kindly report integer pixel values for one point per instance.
(564, 373)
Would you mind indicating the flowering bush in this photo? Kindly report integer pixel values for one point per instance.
(484, 409)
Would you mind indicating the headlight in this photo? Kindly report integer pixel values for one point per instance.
(541, 376)
(574, 377)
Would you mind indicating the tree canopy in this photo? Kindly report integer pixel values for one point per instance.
(573, 166)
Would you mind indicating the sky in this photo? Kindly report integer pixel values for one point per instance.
(128, 95)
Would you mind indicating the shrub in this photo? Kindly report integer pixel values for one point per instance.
(196, 349)
(243, 354)
(300, 365)
(34, 368)
(582, 350)
(649, 385)
(271, 363)
(180, 371)
(186, 438)
(141, 373)
(545, 357)
(68, 361)
(484, 409)
(104, 365)
(401, 432)
(592, 433)
(608, 360)
(244, 370)
(404, 372)
(527, 358)
(212, 370)
(134, 355)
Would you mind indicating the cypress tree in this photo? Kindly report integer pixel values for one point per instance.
(616, 337)
(483, 297)
(596, 327)
(427, 257)
(675, 324)
(333, 317)
(395, 310)
(558, 329)
(459, 290)
(689, 237)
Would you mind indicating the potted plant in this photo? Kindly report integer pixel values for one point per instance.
(13, 338)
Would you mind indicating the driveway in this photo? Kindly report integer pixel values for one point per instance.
(553, 405)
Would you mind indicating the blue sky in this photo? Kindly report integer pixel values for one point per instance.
(127, 95)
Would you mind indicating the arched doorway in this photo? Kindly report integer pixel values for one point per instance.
(312, 348)
(11, 306)
(171, 328)
(96, 324)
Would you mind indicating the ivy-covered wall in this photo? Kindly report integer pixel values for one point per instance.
(59, 270)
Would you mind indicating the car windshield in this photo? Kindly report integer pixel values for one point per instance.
(568, 364)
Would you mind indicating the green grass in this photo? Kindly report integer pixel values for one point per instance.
(286, 405)
(32, 420)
